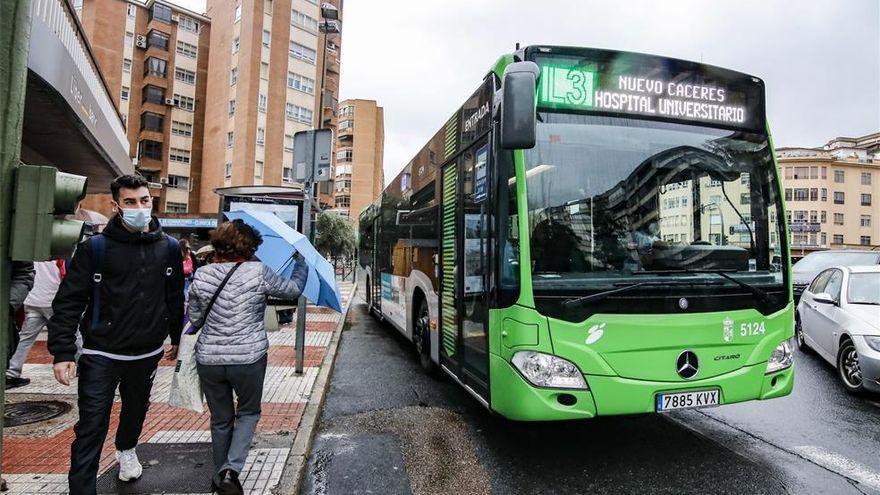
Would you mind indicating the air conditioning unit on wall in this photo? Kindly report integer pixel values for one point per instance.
(140, 41)
(169, 101)
(163, 180)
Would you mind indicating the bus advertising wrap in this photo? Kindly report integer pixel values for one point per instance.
(635, 84)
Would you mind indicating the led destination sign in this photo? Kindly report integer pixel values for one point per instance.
(654, 87)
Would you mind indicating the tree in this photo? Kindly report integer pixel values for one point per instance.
(334, 236)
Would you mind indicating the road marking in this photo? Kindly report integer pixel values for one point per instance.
(841, 465)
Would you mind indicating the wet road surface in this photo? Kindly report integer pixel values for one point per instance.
(388, 428)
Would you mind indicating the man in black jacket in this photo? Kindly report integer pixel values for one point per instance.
(124, 291)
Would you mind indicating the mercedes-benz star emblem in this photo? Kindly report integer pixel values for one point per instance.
(687, 365)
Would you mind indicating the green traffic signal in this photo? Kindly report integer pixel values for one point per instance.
(41, 194)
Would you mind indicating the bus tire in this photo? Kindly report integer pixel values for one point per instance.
(422, 336)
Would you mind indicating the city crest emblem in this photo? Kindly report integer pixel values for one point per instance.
(728, 329)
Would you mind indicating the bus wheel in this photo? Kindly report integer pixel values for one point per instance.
(422, 337)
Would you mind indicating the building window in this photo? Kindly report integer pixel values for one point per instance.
(866, 199)
(161, 12)
(187, 49)
(129, 38)
(181, 128)
(125, 121)
(837, 239)
(233, 76)
(865, 221)
(153, 94)
(179, 155)
(261, 136)
(800, 194)
(814, 216)
(258, 170)
(788, 173)
(824, 194)
(288, 142)
(264, 71)
(267, 38)
(865, 240)
(267, 6)
(228, 170)
(866, 178)
(188, 24)
(303, 53)
(126, 65)
(263, 102)
(802, 172)
(230, 137)
(838, 219)
(232, 107)
(304, 21)
(823, 216)
(158, 40)
(178, 181)
(172, 207)
(348, 111)
(152, 122)
(344, 155)
(237, 13)
(787, 190)
(132, 10)
(343, 201)
(186, 76)
(838, 197)
(343, 170)
(236, 44)
(824, 238)
(300, 83)
(185, 103)
(839, 176)
(154, 67)
(824, 171)
(150, 149)
(125, 92)
(814, 194)
(298, 113)
(286, 174)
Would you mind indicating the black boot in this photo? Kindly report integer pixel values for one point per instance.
(229, 484)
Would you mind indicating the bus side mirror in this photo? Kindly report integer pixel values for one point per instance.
(518, 119)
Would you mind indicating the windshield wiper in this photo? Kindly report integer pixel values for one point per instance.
(762, 295)
(626, 288)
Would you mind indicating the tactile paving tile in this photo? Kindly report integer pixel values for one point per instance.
(288, 338)
(283, 385)
(182, 436)
(28, 484)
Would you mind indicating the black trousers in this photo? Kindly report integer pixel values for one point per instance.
(98, 378)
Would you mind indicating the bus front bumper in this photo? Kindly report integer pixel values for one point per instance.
(514, 398)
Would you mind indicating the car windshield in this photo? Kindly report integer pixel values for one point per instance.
(864, 288)
(615, 201)
(817, 262)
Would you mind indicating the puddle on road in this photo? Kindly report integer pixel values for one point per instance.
(427, 434)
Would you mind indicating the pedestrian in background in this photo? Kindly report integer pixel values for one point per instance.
(231, 351)
(189, 264)
(37, 312)
(124, 290)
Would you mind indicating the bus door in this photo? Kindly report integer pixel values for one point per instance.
(464, 268)
(375, 280)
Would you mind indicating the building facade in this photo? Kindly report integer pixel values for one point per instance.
(359, 176)
(154, 57)
(832, 194)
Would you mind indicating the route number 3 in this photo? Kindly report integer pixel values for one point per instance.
(753, 328)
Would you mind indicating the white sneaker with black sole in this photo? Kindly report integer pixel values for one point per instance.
(130, 467)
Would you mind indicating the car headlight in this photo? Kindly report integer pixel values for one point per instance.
(873, 342)
(546, 370)
(780, 359)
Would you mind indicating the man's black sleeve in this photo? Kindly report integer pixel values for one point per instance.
(70, 301)
(174, 299)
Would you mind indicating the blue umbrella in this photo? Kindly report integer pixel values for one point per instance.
(280, 242)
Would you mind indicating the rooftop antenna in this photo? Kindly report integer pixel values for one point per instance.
(517, 46)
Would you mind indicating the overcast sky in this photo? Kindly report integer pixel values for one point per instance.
(820, 59)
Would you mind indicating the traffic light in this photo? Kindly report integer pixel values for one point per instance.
(41, 196)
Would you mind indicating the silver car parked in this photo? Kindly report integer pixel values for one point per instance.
(839, 317)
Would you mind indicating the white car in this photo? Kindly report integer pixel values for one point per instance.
(839, 317)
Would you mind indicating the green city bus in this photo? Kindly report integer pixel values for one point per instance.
(593, 232)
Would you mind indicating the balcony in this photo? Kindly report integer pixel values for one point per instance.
(70, 120)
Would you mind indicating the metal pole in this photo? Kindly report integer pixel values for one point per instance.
(14, 42)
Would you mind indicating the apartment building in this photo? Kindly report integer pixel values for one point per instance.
(833, 194)
(154, 57)
(359, 175)
(262, 83)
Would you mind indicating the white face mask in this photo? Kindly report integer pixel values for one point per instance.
(136, 218)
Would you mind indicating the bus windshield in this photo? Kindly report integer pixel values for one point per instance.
(617, 201)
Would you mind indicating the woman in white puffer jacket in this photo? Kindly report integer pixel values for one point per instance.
(231, 350)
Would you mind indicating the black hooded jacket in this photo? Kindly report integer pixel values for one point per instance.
(140, 303)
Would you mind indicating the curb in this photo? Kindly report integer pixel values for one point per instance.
(294, 467)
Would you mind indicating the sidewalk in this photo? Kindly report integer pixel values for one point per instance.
(175, 443)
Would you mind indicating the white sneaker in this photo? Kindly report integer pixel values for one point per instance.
(129, 466)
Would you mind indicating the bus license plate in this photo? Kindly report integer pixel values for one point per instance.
(687, 400)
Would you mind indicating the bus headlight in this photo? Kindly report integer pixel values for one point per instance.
(780, 359)
(546, 370)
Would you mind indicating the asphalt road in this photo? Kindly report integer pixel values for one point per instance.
(387, 428)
